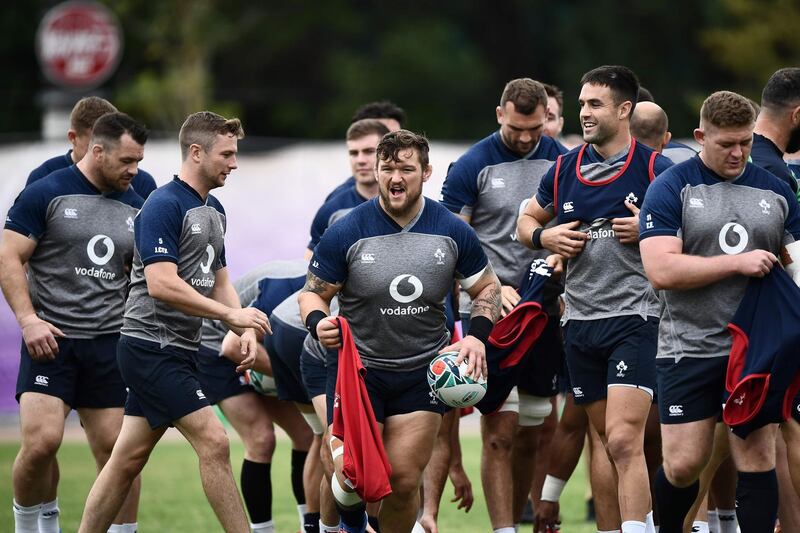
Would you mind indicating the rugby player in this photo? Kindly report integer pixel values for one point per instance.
(392, 261)
(707, 225)
(486, 188)
(82, 118)
(179, 277)
(611, 313)
(74, 230)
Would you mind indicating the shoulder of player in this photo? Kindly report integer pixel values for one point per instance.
(51, 165)
(60, 182)
(549, 149)
(212, 201)
(481, 154)
(764, 178)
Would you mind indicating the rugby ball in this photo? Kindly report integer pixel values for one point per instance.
(262, 383)
(451, 384)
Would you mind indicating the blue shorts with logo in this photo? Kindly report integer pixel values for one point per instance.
(617, 351)
(218, 377)
(540, 371)
(162, 382)
(84, 373)
(390, 392)
(315, 374)
(690, 390)
(284, 347)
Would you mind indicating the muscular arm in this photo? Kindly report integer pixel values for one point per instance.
(561, 239)
(164, 284)
(316, 295)
(39, 335)
(485, 294)
(667, 267)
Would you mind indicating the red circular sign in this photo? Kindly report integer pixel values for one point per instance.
(79, 44)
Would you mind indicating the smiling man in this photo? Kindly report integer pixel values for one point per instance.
(392, 261)
(611, 314)
(74, 230)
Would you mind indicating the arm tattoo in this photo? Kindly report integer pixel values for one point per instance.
(488, 302)
(315, 284)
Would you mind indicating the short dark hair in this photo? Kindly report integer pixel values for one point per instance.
(86, 112)
(645, 95)
(367, 126)
(526, 95)
(554, 92)
(109, 129)
(726, 109)
(381, 109)
(782, 89)
(621, 80)
(202, 128)
(397, 141)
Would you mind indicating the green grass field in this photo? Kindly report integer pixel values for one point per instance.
(172, 499)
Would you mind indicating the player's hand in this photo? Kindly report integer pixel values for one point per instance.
(428, 523)
(247, 317)
(546, 516)
(510, 299)
(755, 263)
(40, 338)
(556, 262)
(564, 240)
(627, 228)
(328, 332)
(462, 486)
(473, 352)
(248, 342)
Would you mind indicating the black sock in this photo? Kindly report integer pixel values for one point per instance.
(673, 503)
(757, 501)
(257, 490)
(373, 523)
(298, 462)
(311, 523)
(352, 517)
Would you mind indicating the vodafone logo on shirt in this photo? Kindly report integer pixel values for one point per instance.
(404, 289)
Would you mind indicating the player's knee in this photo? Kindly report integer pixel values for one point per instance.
(215, 446)
(344, 494)
(405, 483)
(682, 472)
(41, 447)
(533, 410)
(623, 447)
(260, 445)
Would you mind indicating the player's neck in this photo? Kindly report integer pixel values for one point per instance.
(615, 145)
(195, 180)
(92, 175)
(367, 191)
(408, 215)
(769, 129)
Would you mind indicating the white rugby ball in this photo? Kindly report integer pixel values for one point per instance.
(451, 384)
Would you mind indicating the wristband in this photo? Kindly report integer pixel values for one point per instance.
(480, 327)
(552, 488)
(312, 320)
(536, 238)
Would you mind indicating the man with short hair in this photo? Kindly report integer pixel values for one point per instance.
(82, 118)
(392, 116)
(252, 414)
(611, 313)
(179, 277)
(486, 187)
(707, 226)
(650, 126)
(392, 261)
(74, 230)
(777, 129)
(362, 139)
(555, 111)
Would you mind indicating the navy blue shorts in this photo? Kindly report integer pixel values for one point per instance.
(284, 347)
(690, 390)
(315, 374)
(390, 392)
(83, 374)
(162, 382)
(218, 377)
(539, 372)
(609, 352)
